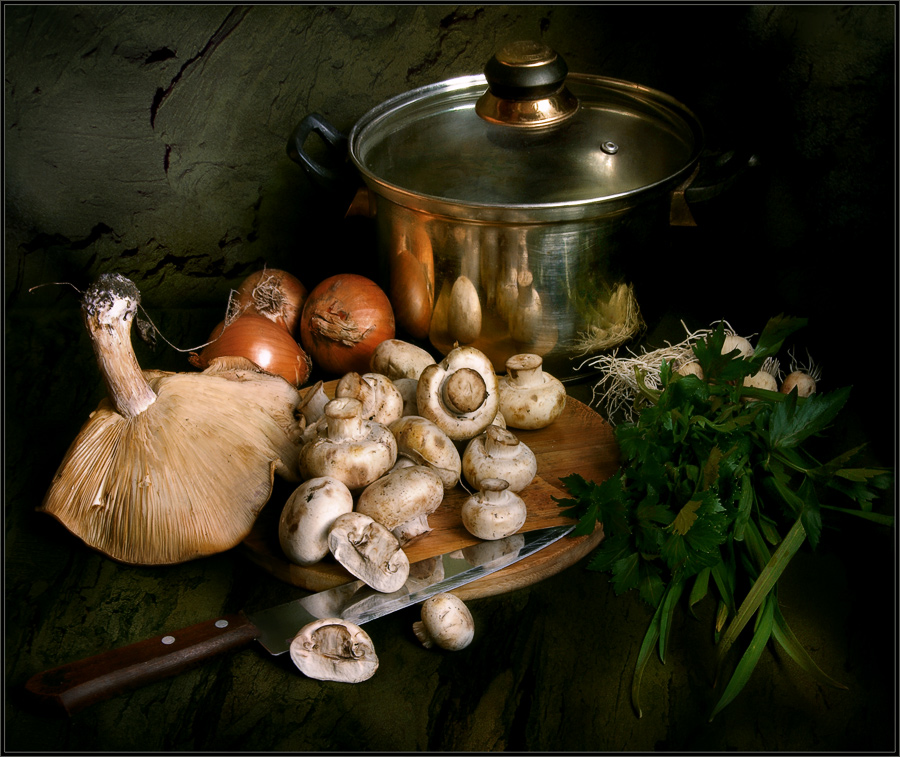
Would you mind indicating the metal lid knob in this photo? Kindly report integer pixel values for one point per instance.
(526, 86)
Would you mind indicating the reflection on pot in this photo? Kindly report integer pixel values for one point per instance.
(411, 277)
(507, 289)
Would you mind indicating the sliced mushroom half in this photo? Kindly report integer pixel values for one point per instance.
(369, 551)
(332, 649)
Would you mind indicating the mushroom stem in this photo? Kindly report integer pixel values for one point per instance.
(499, 442)
(493, 491)
(109, 306)
(464, 391)
(525, 370)
(345, 421)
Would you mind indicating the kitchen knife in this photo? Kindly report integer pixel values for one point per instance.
(71, 687)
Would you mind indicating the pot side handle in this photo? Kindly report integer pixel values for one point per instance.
(716, 172)
(334, 178)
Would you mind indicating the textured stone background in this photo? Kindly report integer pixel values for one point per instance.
(150, 140)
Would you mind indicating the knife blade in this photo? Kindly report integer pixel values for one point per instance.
(72, 687)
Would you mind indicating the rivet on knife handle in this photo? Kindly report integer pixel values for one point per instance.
(69, 688)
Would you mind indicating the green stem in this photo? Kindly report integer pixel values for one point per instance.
(762, 586)
(651, 394)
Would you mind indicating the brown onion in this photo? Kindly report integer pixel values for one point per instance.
(276, 294)
(260, 340)
(344, 319)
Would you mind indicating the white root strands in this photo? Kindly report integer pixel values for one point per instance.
(617, 390)
(809, 367)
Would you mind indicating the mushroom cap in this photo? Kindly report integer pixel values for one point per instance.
(423, 442)
(358, 459)
(369, 551)
(446, 623)
(498, 453)
(333, 649)
(530, 398)
(465, 416)
(397, 359)
(381, 400)
(495, 512)
(402, 496)
(307, 517)
(187, 476)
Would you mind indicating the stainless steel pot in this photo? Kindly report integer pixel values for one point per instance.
(507, 203)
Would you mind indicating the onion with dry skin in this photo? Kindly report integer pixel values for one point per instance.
(276, 294)
(344, 319)
(260, 340)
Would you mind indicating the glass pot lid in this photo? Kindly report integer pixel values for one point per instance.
(526, 134)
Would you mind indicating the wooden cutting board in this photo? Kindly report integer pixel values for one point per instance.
(579, 441)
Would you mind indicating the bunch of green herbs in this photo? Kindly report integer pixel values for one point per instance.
(717, 491)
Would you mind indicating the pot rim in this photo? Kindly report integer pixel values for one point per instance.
(570, 210)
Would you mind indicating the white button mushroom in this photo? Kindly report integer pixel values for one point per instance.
(530, 398)
(460, 394)
(446, 622)
(424, 443)
(397, 359)
(402, 500)
(381, 400)
(369, 551)
(307, 517)
(332, 649)
(351, 449)
(494, 512)
(498, 453)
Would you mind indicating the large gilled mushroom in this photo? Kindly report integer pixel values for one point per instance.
(332, 649)
(460, 394)
(170, 466)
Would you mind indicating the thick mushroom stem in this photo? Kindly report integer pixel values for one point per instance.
(109, 306)
(501, 443)
(464, 391)
(345, 421)
(525, 370)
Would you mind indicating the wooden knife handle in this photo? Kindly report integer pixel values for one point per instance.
(69, 688)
